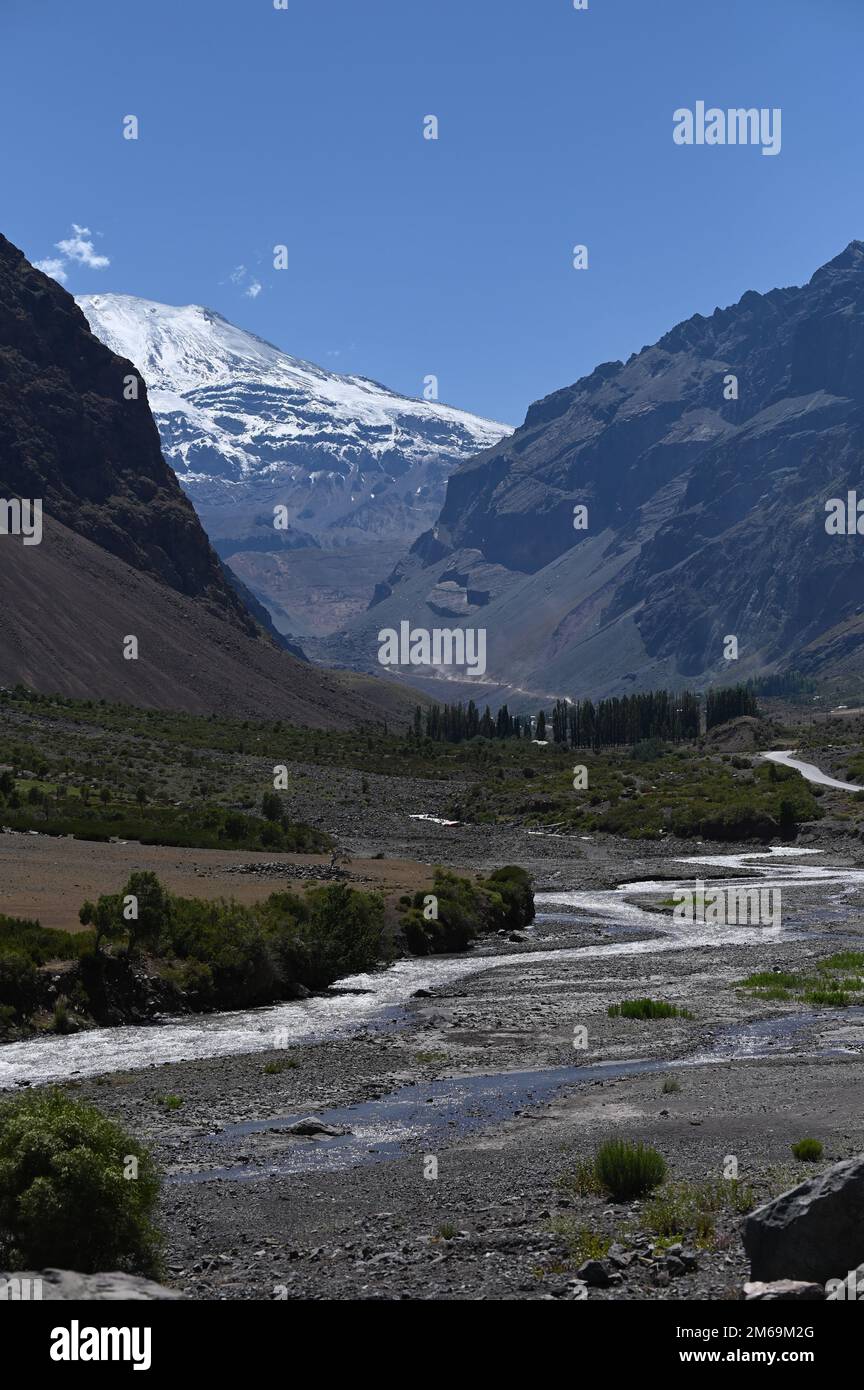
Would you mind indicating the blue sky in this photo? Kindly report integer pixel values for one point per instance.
(410, 257)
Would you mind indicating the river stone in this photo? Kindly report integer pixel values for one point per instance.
(63, 1284)
(814, 1232)
(596, 1274)
(312, 1126)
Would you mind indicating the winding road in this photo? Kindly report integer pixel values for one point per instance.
(810, 771)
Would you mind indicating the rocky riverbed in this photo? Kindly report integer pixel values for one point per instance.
(448, 1127)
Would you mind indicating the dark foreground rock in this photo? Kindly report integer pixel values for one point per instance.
(56, 1285)
(815, 1231)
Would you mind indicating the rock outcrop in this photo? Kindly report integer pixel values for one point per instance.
(122, 553)
(705, 463)
(814, 1233)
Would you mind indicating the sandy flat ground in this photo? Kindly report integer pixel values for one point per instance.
(49, 879)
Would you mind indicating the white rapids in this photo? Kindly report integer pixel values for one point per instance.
(374, 1000)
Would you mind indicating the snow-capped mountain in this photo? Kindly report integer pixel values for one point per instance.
(246, 427)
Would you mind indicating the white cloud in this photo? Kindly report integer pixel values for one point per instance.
(53, 266)
(241, 277)
(80, 248)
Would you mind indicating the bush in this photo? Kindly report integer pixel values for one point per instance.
(239, 965)
(807, 1150)
(336, 931)
(466, 909)
(628, 1170)
(65, 1199)
(109, 917)
(19, 983)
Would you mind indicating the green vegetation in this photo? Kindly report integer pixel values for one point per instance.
(646, 1008)
(807, 1150)
(671, 1085)
(729, 703)
(627, 1170)
(457, 910)
(446, 1231)
(224, 955)
(76, 1192)
(171, 1102)
(276, 1068)
(583, 1243)
(836, 982)
(689, 1210)
(581, 1181)
(206, 827)
(202, 778)
(24, 947)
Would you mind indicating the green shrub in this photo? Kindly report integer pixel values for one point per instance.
(671, 1085)
(61, 1022)
(19, 983)
(808, 1150)
(447, 1231)
(233, 945)
(65, 1199)
(276, 1068)
(465, 909)
(626, 1170)
(335, 931)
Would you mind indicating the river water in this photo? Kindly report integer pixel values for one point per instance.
(378, 1000)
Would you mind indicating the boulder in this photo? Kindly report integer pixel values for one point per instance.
(596, 1274)
(814, 1232)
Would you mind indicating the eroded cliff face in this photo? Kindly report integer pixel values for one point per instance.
(77, 432)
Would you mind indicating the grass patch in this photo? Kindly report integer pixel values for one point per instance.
(827, 985)
(689, 1210)
(582, 1243)
(671, 1085)
(626, 1171)
(582, 1181)
(446, 1231)
(646, 1008)
(170, 1102)
(276, 1068)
